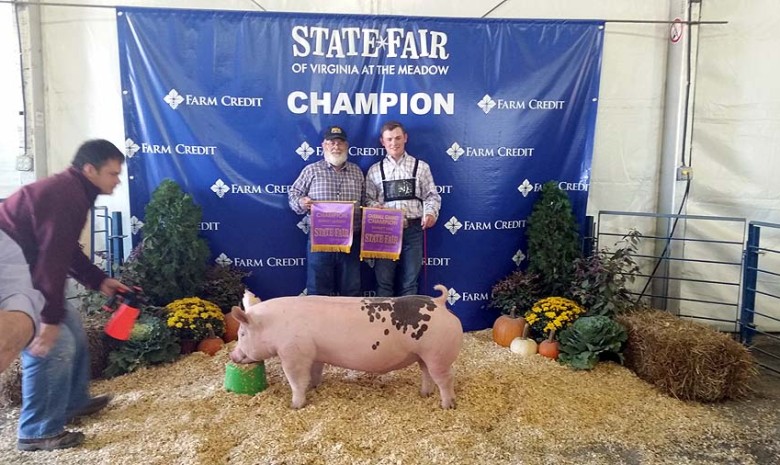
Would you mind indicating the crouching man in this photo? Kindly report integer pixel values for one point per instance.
(40, 225)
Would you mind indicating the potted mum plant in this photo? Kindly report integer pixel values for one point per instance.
(193, 319)
(552, 313)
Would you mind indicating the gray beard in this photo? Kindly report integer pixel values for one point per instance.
(335, 160)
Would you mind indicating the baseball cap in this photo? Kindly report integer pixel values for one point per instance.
(335, 132)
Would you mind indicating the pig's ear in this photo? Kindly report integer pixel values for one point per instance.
(239, 315)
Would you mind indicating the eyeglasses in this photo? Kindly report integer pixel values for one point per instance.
(336, 142)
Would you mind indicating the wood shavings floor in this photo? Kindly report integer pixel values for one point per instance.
(510, 411)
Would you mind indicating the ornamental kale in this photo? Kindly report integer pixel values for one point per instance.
(150, 342)
(590, 339)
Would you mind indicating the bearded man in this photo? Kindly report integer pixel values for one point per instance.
(331, 179)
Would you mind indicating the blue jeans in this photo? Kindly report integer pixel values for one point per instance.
(56, 386)
(403, 273)
(333, 273)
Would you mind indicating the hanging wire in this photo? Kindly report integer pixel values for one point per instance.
(91, 5)
(254, 2)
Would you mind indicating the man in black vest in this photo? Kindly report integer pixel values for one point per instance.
(403, 182)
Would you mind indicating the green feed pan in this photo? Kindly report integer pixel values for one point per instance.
(245, 378)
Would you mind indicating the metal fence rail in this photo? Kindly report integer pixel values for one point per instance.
(693, 272)
(760, 296)
(720, 270)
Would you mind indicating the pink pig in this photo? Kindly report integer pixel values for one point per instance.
(377, 334)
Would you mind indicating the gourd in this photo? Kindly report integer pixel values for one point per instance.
(522, 345)
(550, 348)
(506, 328)
(211, 345)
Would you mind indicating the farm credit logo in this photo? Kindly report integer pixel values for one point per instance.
(456, 151)
(174, 99)
(454, 225)
(220, 188)
(305, 150)
(453, 296)
(270, 262)
(488, 103)
(132, 148)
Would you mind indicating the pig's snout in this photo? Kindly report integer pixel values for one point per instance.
(238, 356)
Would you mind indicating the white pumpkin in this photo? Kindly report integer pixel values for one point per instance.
(523, 346)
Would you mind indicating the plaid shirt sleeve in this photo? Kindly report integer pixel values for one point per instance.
(427, 191)
(374, 197)
(300, 189)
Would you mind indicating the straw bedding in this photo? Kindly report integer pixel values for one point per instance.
(510, 411)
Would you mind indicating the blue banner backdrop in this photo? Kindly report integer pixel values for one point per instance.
(232, 105)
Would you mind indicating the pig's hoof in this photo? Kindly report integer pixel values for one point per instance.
(448, 404)
(296, 405)
(426, 392)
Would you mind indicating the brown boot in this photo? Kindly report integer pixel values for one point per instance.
(64, 440)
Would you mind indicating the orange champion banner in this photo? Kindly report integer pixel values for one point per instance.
(382, 233)
(331, 226)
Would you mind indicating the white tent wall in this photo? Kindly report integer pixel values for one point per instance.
(736, 124)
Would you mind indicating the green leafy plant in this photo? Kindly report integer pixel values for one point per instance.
(590, 339)
(151, 342)
(90, 303)
(131, 272)
(600, 281)
(171, 263)
(519, 290)
(553, 240)
(223, 286)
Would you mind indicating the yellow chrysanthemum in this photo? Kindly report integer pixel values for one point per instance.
(553, 313)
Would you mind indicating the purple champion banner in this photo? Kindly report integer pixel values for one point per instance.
(382, 234)
(331, 226)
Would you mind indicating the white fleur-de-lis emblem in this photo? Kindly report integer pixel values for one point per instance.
(131, 147)
(525, 188)
(305, 150)
(303, 227)
(173, 99)
(487, 104)
(452, 296)
(220, 188)
(518, 257)
(453, 225)
(135, 225)
(455, 151)
(223, 260)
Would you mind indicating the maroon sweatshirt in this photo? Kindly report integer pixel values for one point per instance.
(46, 219)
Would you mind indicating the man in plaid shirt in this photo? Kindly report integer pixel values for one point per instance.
(403, 182)
(331, 179)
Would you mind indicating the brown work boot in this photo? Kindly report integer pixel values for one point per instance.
(64, 440)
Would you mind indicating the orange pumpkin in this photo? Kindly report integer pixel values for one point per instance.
(211, 345)
(550, 348)
(506, 328)
(231, 328)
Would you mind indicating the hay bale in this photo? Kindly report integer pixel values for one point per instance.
(99, 345)
(687, 360)
(11, 385)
